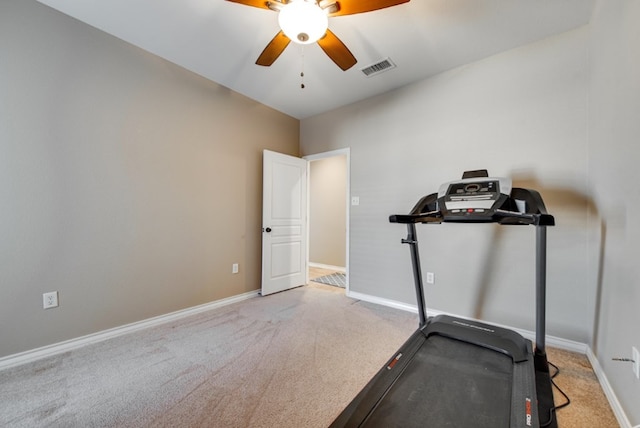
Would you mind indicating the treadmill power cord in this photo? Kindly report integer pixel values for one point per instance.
(560, 406)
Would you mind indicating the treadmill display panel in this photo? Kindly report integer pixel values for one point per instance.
(473, 199)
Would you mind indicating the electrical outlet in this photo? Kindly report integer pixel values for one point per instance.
(635, 356)
(234, 268)
(50, 300)
(431, 278)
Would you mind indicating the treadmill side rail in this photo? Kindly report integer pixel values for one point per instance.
(368, 398)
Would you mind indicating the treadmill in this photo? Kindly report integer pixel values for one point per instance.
(455, 372)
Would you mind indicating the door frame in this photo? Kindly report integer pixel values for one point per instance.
(324, 155)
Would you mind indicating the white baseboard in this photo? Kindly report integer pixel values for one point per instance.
(621, 416)
(381, 301)
(557, 342)
(329, 267)
(58, 348)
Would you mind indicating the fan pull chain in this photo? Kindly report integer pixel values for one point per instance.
(301, 66)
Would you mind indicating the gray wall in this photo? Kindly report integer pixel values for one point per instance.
(560, 115)
(127, 184)
(521, 114)
(614, 153)
(327, 211)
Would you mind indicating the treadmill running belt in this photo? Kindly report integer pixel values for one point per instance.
(461, 382)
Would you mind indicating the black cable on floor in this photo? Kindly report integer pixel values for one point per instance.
(558, 407)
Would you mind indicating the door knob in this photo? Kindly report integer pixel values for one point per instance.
(268, 230)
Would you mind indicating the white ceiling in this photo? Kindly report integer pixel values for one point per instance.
(221, 40)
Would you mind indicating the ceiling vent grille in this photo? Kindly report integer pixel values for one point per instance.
(379, 67)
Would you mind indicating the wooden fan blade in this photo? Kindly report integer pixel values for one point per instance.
(273, 50)
(262, 4)
(351, 7)
(337, 51)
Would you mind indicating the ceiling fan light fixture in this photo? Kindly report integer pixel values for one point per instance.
(303, 21)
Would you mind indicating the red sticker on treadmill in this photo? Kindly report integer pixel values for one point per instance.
(394, 361)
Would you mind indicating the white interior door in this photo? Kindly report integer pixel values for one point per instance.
(284, 222)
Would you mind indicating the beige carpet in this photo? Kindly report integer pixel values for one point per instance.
(589, 406)
(293, 359)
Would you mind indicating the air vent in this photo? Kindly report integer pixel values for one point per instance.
(379, 67)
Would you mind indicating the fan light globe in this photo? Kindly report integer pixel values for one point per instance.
(303, 21)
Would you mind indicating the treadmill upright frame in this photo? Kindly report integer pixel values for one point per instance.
(519, 207)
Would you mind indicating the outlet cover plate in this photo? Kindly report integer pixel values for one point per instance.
(50, 300)
(431, 278)
(635, 356)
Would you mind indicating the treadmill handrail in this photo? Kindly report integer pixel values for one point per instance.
(505, 216)
(500, 216)
(429, 217)
(429, 210)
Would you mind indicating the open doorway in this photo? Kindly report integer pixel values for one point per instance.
(328, 222)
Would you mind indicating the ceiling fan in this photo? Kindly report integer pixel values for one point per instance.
(306, 21)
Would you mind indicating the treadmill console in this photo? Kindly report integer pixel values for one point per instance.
(473, 199)
(478, 198)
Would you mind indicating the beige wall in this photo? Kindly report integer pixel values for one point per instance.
(327, 211)
(127, 184)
